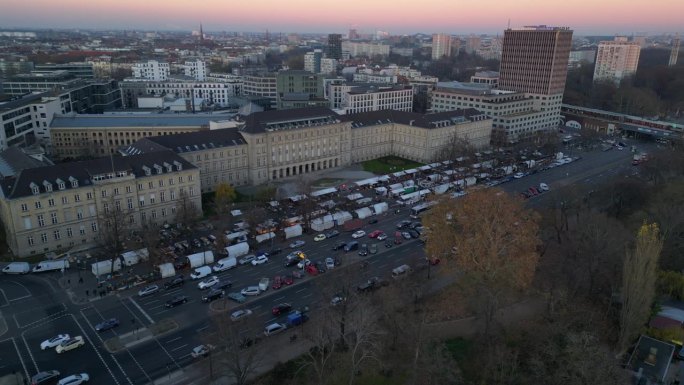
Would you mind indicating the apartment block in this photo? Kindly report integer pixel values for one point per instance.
(616, 60)
(151, 69)
(26, 120)
(441, 45)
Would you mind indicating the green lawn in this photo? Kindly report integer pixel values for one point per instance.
(389, 164)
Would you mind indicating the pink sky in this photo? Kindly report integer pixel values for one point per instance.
(394, 16)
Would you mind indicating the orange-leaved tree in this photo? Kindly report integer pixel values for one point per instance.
(489, 240)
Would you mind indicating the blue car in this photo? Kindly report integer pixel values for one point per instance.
(107, 324)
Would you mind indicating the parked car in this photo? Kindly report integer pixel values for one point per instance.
(371, 284)
(250, 291)
(406, 235)
(297, 243)
(247, 259)
(274, 251)
(223, 285)
(331, 233)
(177, 281)
(518, 175)
(201, 351)
(148, 290)
(543, 187)
(311, 269)
(287, 280)
(337, 299)
(372, 221)
(388, 244)
(320, 266)
(414, 234)
(339, 245)
(259, 260)
(237, 297)
(107, 324)
(212, 295)
(375, 234)
(274, 328)
(45, 377)
(74, 379)
(70, 344)
(358, 234)
(319, 237)
(240, 314)
(373, 249)
(329, 263)
(54, 341)
(281, 308)
(403, 224)
(207, 283)
(382, 237)
(303, 263)
(175, 301)
(277, 282)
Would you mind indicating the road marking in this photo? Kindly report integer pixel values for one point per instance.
(301, 290)
(30, 324)
(202, 328)
(179, 347)
(148, 302)
(141, 310)
(279, 299)
(271, 320)
(262, 314)
(6, 300)
(97, 351)
(173, 340)
(139, 366)
(16, 347)
(307, 296)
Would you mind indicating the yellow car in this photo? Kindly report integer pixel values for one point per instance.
(70, 344)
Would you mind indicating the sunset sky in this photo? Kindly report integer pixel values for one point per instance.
(394, 16)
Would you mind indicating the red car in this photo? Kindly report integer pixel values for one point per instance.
(287, 280)
(277, 282)
(375, 234)
(397, 238)
(281, 308)
(311, 269)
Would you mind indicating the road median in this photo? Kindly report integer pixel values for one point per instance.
(138, 336)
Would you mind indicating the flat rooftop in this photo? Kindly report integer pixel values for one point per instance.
(157, 120)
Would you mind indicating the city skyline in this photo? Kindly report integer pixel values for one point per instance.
(302, 16)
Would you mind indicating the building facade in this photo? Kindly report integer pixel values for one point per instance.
(312, 61)
(335, 46)
(27, 120)
(299, 89)
(79, 70)
(99, 135)
(513, 113)
(151, 69)
(441, 45)
(220, 154)
(375, 98)
(196, 69)
(328, 66)
(616, 60)
(58, 207)
(263, 85)
(365, 49)
(534, 61)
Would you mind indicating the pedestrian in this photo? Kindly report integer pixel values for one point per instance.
(87, 293)
(69, 281)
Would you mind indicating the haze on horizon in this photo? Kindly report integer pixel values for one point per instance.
(585, 17)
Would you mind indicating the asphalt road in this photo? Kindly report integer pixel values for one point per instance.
(32, 309)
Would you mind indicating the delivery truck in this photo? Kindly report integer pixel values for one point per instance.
(61, 264)
(17, 268)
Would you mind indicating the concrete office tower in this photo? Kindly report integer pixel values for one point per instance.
(441, 45)
(312, 61)
(335, 46)
(616, 60)
(534, 60)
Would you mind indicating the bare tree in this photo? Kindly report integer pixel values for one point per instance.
(638, 283)
(114, 223)
(186, 210)
(455, 147)
(362, 340)
(239, 350)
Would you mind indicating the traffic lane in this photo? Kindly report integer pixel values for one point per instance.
(95, 314)
(11, 360)
(13, 290)
(86, 358)
(143, 362)
(32, 311)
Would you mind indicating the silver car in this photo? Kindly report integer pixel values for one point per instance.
(251, 290)
(148, 290)
(240, 314)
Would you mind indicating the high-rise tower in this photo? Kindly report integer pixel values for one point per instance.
(534, 60)
(201, 35)
(441, 45)
(335, 46)
(616, 59)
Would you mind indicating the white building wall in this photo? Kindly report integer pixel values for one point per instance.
(151, 69)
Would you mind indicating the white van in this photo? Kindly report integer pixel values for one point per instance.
(17, 268)
(61, 264)
(201, 272)
(401, 271)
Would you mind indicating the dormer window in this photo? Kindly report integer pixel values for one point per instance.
(147, 170)
(60, 184)
(168, 167)
(179, 165)
(47, 185)
(34, 188)
(158, 168)
(74, 181)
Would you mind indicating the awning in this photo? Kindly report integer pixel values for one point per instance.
(324, 191)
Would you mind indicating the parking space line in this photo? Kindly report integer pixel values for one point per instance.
(271, 320)
(141, 310)
(307, 295)
(279, 299)
(179, 347)
(173, 340)
(97, 351)
(23, 364)
(301, 290)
